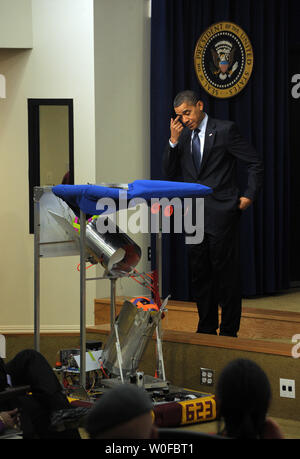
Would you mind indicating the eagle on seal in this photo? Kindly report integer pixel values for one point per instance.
(223, 62)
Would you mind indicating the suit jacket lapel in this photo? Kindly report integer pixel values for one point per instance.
(209, 141)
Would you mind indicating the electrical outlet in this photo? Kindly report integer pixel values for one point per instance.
(207, 376)
(287, 388)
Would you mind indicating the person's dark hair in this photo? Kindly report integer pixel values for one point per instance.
(243, 396)
(116, 407)
(186, 96)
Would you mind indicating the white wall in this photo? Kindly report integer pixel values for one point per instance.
(15, 24)
(122, 105)
(60, 65)
(107, 75)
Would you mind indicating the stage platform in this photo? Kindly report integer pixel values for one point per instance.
(265, 336)
(257, 323)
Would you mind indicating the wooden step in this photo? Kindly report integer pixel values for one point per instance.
(223, 342)
(183, 316)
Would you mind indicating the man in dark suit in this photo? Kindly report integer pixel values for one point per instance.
(205, 150)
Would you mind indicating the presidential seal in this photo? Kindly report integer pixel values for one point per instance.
(223, 60)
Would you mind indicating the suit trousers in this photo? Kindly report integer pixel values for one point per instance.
(215, 281)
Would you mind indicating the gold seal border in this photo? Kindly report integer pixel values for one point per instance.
(223, 26)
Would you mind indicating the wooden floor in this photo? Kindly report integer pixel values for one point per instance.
(287, 300)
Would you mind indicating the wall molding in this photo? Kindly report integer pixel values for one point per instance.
(44, 329)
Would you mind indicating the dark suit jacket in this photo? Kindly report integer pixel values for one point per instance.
(223, 146)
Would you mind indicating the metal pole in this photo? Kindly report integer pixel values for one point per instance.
(36, 274)
(158, 252)
(112, 302)
(160, 357)
(82, 300)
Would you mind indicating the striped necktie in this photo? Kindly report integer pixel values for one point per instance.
(196, 151)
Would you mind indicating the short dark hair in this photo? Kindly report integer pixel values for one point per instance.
(186, 96)
(117, 406)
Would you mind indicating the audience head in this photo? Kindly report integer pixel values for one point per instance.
(122, 412)
(243, 396)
